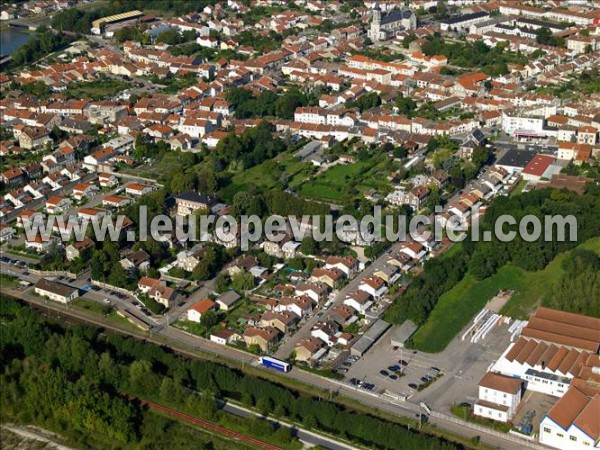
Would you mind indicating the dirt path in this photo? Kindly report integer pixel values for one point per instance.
(21, 437)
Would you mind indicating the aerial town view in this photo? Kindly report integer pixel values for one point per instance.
(295, 224)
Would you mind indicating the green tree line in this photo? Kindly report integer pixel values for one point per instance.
(484, 259)
(67, 378)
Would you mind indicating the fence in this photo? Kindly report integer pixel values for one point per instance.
(507, 436)
(114, 288)
(53, 273)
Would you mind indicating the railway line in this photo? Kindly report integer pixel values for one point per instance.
(208, 425)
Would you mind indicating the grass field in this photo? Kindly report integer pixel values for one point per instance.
(264, 177)
(456, 307)
(333, 183)
(519, 188)
(96, 90)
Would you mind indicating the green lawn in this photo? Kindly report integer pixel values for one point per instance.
(333, 183)
(264, 177)
(192, 327)
(96, 90)
(459, 305)
(90, 305)
(519, 187)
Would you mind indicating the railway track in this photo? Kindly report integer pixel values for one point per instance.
(208, 425)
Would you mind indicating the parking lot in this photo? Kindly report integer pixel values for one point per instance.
(399, 372)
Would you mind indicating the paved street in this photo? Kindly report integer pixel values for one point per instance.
(288, 346)
(187, 344)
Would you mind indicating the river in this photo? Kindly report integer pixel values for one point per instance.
(11, 39)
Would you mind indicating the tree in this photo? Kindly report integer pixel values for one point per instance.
(366, 101)
(207, 181)
(189, 35)
(242, 281)
(222, 282)
(202, 271)
(209, 319)
(286, 105)
(545, 36)
(481, 156)
(441, 10)
(406, 105)
(248, 203)
(408, 40)
(169, 37)
(309, 246)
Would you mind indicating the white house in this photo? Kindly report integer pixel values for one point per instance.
(360, 301)
(300, 306)
(57, 204)
(373, 286)
(224, 337)
(346, 264)
(194, 314)
(325, 331)
(138, 189)
(6, 232)
(56, 291)
(499, 397)
(228, 300)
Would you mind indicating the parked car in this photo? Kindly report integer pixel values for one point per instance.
(412, 386)
(394, 368)
(393, 377)
(385, 373)
(402, 362)
(465, 405)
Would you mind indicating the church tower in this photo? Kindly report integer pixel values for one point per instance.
(376, 24)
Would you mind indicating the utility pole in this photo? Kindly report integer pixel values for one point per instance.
(402, 360)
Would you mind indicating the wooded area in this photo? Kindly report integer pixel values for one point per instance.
(69, 378)
(484, 259)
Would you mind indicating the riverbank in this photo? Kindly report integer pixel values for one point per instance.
(11, 39)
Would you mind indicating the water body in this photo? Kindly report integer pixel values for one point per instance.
(11, 39)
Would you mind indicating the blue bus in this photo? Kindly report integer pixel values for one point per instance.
(273, 363)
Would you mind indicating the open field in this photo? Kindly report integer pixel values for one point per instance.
(96, 90)
(519, 188)
(267, 175)
(332, 184)
(457, 306)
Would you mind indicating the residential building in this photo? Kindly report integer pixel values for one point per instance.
(265, 338)
(308, 349)
(228, 300)
(189, 202)
(59, 292)
(195, 313)
(499, 397)
(224, 337)
(75, 250)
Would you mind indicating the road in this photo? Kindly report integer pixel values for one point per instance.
(288, 345)
(305, 436)
(35, 204)
(189, 345)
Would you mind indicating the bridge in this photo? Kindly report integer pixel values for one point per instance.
(4, 59)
